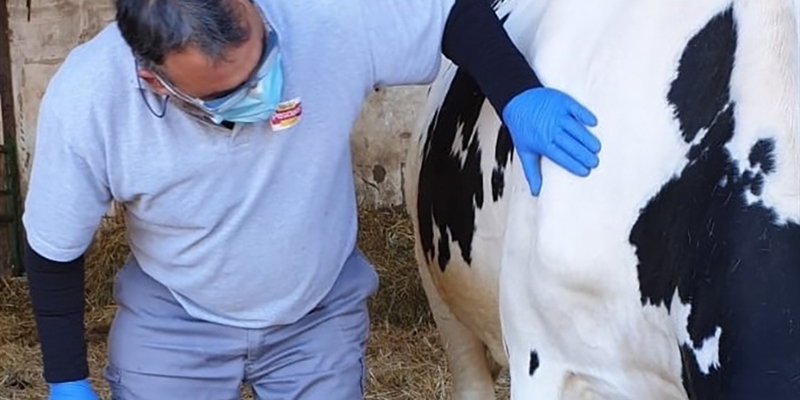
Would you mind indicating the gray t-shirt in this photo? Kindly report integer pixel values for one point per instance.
(247, 227)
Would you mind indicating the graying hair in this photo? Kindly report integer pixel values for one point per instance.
(154, 28)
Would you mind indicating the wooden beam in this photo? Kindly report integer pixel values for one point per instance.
(14, 231)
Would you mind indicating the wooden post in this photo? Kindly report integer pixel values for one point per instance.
(11, 217)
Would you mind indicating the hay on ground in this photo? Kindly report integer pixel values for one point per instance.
(387, 239)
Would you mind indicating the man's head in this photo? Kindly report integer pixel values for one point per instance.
(201, 48)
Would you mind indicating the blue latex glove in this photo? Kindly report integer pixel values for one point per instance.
(547, 122)
(76, 390)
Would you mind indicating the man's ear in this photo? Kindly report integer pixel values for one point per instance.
(150, 78)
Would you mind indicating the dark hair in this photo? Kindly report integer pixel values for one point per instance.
(154, 28)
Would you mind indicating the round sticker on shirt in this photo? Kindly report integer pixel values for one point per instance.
(286, 114)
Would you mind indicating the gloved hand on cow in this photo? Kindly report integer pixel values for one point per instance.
(76, 390)
(547, 122)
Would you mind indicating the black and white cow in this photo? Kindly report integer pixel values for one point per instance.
(673, 270)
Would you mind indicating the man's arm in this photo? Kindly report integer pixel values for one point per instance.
(407, 38)
(541, 121)
(56, 290)
(68, 194)
(474, 39)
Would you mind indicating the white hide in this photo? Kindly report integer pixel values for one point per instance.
(568, 286)
(767, 107)
(706, 353)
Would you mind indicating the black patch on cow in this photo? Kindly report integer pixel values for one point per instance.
(761, 155)
(504, 18)
(495, 4)
(762, 162)
(701, 89)
(736, 266)
(533, 365)
(448, 193)
(503, 152)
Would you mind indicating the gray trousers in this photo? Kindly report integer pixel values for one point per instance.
(158, 352)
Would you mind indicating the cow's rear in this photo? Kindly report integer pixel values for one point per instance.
(456, 172)
(673, 271)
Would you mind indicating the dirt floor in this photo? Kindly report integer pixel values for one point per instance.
(405, 357)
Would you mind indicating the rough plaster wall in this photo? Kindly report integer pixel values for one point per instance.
(380, 140)
(40, 44)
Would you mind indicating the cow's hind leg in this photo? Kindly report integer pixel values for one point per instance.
(472, 371)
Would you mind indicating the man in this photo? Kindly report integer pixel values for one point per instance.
(223, 127)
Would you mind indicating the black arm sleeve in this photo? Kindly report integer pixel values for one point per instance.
(474, 39)
(56, 291)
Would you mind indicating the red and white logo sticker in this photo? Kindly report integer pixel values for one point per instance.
(286, 114)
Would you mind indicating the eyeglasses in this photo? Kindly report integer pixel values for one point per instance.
(235, 95)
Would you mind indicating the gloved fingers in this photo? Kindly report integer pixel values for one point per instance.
(566, 161)
(533, 173)
(575, 149)
(80, 389)
(580, 112)
(580, 133)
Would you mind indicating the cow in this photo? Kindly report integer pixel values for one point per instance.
(673, 270)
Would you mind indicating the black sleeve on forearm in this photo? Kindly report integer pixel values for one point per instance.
(474, 39)
(56, 290)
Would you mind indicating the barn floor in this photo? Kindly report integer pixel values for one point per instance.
(405, 357)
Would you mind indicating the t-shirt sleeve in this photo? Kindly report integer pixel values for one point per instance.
(405, 39)
(68, 191)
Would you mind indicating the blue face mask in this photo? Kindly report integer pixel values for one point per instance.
(256, 102)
